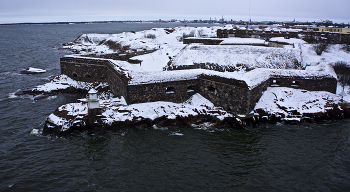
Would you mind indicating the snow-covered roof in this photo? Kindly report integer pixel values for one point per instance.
(295, 100)
(242, 41)
(289, 41)
(138, 75)
(116, 109)
(252, 78)
(92, 91)
(233, 55)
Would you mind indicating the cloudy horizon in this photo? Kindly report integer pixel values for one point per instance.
(20, 11)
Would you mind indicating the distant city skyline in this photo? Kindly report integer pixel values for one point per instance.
(35, 11)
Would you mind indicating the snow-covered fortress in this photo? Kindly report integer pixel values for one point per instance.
(231, 72)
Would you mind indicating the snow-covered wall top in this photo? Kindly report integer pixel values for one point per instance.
(234, 55)
(252, 78)
(243, 41)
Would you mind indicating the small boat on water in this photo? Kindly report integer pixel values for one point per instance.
(32, 70)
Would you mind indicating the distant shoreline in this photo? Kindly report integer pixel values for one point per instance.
(101, 22)
(88, 22)
(239, 22)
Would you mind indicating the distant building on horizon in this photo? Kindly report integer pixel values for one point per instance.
(323, 29)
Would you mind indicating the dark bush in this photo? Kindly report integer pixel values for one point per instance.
(151, 36)
(113, 45)
(319, 48)
(346, 48)
(116, 46)
(342, 69)
(168, 31)
(191, 34)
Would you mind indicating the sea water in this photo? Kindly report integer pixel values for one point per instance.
(305, 157)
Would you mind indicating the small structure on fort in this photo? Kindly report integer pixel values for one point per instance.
(93, 103)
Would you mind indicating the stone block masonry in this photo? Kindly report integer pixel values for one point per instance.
(84, 69)
(205, 41)
(116, 83)
(231, 94)
(174, 91)
(310, 84)
(229, 97)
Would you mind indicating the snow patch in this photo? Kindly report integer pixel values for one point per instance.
(285, 100)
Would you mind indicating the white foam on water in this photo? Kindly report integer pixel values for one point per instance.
(12, 95)
(176, 134)
(35, 132)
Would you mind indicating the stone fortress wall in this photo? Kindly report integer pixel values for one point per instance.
(230, 94)
(323, 36)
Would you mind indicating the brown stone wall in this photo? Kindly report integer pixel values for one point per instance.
(256, 93)
(205, 41)
(332, 38)
(82, 69)
(175, 91)
(116, 84)
(321, 84)
(232, 98)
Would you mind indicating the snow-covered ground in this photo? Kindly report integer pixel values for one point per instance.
(196, 105)
(243, 41)
(332, 54)
(167, 44)
(116, 109)
(283, 100)
(62, 82)
(233, 55)
(291, 41)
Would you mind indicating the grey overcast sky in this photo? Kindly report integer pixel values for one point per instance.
(17, 11)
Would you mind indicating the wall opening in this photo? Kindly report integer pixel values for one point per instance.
(191, 89)
(275, 83)
(75, 75)
(211, 89)
(170, 90)
(295, 83)
(88, 76)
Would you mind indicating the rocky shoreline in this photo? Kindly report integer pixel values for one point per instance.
(74, 118)
(95, 124)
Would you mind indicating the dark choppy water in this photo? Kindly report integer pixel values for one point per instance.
(307, 157)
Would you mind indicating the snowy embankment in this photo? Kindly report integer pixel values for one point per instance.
(196, 105)
(285, 100)
(239, 55)
(62, 82)
(296, 104)
(115, 113)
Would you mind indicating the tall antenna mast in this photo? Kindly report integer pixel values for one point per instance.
(250, 19)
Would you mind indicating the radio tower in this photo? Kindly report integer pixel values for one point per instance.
(250, 19)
